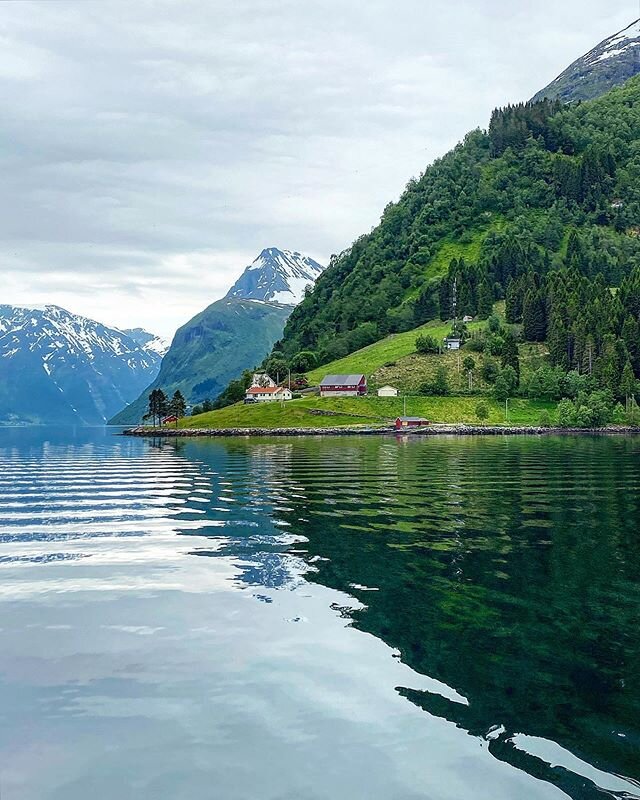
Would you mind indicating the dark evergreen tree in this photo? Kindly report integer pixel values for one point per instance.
(510, 355)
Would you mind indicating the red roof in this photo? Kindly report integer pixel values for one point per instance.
(265, 389)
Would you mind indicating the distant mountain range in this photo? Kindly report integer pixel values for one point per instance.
(609, 64)
(58, 367)
(232, 334)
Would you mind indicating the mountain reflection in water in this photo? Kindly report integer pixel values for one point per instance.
(377, 618)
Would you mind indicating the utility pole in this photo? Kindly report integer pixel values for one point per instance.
(506, 409)
(405, 405)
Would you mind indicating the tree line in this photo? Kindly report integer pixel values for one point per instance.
(160, 406)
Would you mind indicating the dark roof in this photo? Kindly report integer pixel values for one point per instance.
(412, 419)
(341, 380)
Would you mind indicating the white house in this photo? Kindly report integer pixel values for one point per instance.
(467, 318)
(387, 391)
(452, 343)
(262, 379)
(267, 394)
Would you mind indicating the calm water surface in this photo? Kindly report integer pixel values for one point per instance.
(354, 619)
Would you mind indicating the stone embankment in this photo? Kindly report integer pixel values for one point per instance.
(361, 430)
(364, 430)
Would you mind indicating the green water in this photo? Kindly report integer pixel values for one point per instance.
(319, 618)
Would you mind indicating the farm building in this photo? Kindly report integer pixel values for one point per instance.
(452, 343)
(387, 391)
(170, 418)
(266, 394)
(410, 422)
(343, 386)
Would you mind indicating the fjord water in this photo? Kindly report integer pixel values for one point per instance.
(351, 618)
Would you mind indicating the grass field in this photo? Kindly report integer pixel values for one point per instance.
(367, 410)
(376, 355)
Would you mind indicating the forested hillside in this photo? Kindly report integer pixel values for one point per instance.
(542, 210)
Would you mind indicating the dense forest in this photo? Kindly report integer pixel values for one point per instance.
(542, 210)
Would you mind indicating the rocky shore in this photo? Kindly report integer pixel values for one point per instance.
(365, 430)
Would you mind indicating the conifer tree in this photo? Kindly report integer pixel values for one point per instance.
(557, 339)
(510, 355)
(628, 383)
(485, 300)
(177, 405)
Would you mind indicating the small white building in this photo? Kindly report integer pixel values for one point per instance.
(467, 318)
(387, 391)
(452, 343)
(267, 394)
(262, 379)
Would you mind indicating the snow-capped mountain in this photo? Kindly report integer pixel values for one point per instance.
(278, 276)
(232, 334)
(64, 368)
(609, 64)
(148, 341)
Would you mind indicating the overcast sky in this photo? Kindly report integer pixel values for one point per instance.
(150, 150)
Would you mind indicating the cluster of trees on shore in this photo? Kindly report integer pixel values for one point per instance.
(160, 406)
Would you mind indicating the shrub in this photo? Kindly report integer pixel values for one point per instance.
(506, 384)
(619, 415)
(476, 344)
(439, 387)
(566, 414)
(482, 412)
(545, 420)
(489, 371)
(426, 345)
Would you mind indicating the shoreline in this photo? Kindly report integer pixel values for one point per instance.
(436, 429)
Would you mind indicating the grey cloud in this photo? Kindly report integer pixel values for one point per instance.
(165, 143)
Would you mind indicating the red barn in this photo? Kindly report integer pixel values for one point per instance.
(410, 422)
(343, 386)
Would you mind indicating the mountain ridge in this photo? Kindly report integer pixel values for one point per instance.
(277, 276)
(57, 366)
(610, 63)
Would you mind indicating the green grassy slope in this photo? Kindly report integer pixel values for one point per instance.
(376, 355)
(365, 410)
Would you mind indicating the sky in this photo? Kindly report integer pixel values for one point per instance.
(151, 150)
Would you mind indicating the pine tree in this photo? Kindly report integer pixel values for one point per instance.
(177, 406)
(628, 383)
(157, 407)
(631, 338)
(485, 300)
(534, 322)
(510, 355)
(557, 340)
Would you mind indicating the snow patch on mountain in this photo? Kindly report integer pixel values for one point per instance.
(609, 64)
(95, 368)
(148, 341)
(616, 45)
(277, 276)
